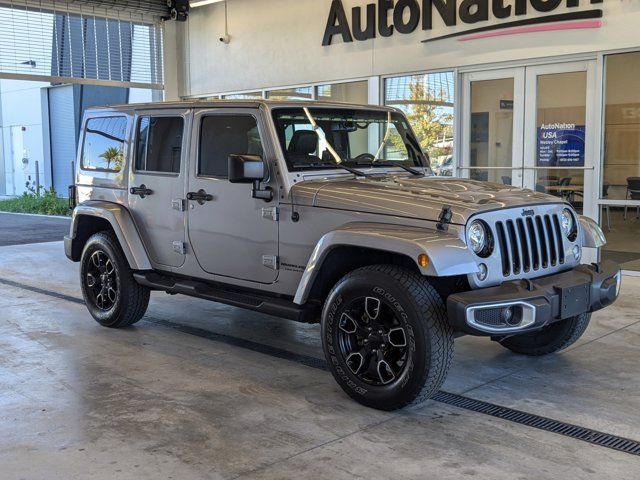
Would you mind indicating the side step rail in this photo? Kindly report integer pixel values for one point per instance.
(278, 307)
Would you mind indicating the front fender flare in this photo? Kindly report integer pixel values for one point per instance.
(124, 228)
(447, 253)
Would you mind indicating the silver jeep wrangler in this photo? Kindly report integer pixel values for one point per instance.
(340, 222)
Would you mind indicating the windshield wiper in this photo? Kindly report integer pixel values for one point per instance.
(355, 171)
(412, 171)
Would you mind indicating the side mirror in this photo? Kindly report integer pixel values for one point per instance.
(245, 168)
(250, 169)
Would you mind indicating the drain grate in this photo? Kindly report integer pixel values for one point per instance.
(594, 437)
(543, 423)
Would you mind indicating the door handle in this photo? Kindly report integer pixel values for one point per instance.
(142, 191)
(200, 196)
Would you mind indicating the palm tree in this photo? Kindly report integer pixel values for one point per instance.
(112, 154)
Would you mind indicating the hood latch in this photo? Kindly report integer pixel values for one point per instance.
(445, 218)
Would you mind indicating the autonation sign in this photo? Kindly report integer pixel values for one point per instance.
(408, 15)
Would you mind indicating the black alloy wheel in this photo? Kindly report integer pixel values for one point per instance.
(372, 341)
(102, 281)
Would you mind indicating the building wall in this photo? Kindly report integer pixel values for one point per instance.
(21, 123)
(279, 42)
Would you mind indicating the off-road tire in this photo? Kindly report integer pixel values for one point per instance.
(552, 338)
(422, 312)
(132, 299)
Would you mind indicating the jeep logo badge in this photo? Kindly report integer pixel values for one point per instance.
(528, 212)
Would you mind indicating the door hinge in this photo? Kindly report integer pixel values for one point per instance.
(180, 247)
(271, 261)
(179, 204)
(271, 213)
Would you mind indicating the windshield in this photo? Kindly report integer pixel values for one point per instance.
(321, 138)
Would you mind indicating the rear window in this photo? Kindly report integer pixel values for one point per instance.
(159, 145)
(103, 146)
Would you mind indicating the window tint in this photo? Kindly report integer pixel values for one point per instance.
(159, 144)
(103, 147)
(223, 135)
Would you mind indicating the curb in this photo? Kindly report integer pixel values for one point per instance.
(35, 215)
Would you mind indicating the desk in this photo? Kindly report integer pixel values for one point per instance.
(564, 188)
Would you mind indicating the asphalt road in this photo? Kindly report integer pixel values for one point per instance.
(24, 229)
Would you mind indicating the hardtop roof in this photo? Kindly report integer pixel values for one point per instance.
(235, 103)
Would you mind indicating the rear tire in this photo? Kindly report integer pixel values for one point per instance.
(112, 295)
(552, 338)
(386, 337)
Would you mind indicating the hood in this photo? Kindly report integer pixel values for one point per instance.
(415, 197)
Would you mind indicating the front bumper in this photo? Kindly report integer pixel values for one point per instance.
(526, 305)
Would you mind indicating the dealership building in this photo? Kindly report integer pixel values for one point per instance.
(541, 94)
(289, 291)
(533, 93)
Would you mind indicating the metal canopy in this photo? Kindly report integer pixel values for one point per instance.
(144, 9)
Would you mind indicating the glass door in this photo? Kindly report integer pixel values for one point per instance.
(532, 127)
(493, 121)
(559, 130)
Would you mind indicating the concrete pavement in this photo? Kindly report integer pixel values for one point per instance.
(81, 401)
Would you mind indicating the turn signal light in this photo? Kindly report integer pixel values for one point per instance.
(423, 260)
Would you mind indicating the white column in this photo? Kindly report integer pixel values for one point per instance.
(174, 61)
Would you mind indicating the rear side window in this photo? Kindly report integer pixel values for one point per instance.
(103, 146)
(223, 135)
(159, 145)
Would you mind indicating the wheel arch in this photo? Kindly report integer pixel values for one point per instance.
(360, 244)
(95, 216)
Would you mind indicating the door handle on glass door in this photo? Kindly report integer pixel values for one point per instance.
(142, 191)
(200, 196)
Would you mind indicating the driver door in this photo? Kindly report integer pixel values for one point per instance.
(231, 233)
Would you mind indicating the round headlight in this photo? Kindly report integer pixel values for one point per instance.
(478, 237)
(566, 222)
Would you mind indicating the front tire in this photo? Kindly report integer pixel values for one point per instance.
(386, 338)
(112, 295)
(552, 338)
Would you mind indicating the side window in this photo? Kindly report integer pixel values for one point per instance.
(159, 144)
(223, 135)
(103, 146)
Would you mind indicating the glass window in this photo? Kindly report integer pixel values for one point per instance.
(224, 135)
(427, 100)
(322, 138)
(621, 166)
(300, 93)
(103, 147)
(351, 92)
(159, 145)
(622, 126)
(243, 96)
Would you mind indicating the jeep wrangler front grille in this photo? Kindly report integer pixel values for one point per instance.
(530, 243)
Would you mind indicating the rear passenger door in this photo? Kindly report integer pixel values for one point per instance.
(157, 183)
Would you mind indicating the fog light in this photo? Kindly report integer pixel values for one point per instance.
(577, 252)
(482, 272)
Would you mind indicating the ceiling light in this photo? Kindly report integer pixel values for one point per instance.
(202, 3)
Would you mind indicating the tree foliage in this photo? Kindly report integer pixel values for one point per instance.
(431, 120)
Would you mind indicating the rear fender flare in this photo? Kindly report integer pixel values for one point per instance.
(448, 255)
(122, 224)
